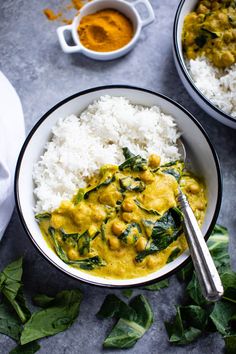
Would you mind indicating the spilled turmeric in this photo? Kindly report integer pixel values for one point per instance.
(105, 31)
(62, 14)
(51, 15)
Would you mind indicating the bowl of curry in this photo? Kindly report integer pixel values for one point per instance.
(124, 228)
(204, 47)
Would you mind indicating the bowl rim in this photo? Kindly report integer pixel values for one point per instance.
(186, 72)
(84, 92)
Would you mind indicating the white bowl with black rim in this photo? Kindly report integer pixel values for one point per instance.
(202, 159)
(184, 8)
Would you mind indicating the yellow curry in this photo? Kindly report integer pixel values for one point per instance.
(126, 223)
(210, 31)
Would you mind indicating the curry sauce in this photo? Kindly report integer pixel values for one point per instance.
(126, 223)
(210, 31)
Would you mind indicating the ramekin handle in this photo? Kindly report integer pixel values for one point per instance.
(64, 46)
(150, 17)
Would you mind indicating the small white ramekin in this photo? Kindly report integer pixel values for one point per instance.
(128, 9)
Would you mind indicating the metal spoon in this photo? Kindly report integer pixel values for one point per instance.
(207, 274)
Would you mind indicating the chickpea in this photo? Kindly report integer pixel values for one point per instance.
(202, 9)
(154, 160)
(114, 243)
(228, 36)
(128, 205)
(227, 58)
(117, 228)
(147, 177)
(73, 254)
(128, 217)
(141, 244)
(152, 262)
(200, 205)
(194, 188)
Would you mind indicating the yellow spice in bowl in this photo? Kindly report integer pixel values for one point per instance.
(105, 31)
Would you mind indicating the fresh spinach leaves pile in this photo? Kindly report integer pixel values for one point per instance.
(57, 314)
(197, 315)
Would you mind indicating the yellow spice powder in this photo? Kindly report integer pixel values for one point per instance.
(105, 31)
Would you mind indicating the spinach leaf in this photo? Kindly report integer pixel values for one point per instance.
(194, 291)
(89, 263)
(42, 300)
(186, 273)
(221, 316)
(187, 325)
(127, 153)
(130, 235)
(173, 172)
(57, 317)
(104, 183)
(114, 307)
(149, 211)
(103, 231)
(11, 288)
(134, 163)
(131, 184)
(230, 344)
(144, 314)
(59, 250)
(134, 322)
(229, 283)
(218, 244)
(42, 216)
(150, 249)
(85, 263)
(29, 348)
(79, 196)
(157, 286)
(165, 231)
(84, 243)
(127, 293)
(124, 335)
(66, 236)
(204, 36)
(173, 255)
(10, 324)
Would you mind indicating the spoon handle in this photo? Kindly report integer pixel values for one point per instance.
(206, 271)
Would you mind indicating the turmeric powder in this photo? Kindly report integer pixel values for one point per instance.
(105, 31)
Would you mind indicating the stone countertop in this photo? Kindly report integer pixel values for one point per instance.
(43, 75)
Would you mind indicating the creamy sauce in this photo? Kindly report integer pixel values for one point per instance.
(210, 31)
(126, 218)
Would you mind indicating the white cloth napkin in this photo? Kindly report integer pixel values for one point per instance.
(12, 134)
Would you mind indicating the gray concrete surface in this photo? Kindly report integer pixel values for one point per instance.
(43, 75)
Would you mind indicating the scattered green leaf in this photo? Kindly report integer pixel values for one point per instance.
(57, 317)
(135, 319)
(134, 163)
(29, 348)
(10, 324)
(127, 293)
(11, 288)
(157, 286)
(230, 344)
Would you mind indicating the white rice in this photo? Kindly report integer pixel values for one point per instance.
(81, 145)
(218, 85)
